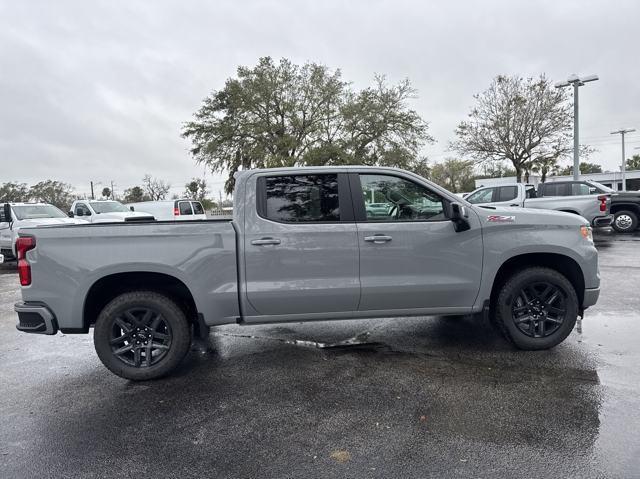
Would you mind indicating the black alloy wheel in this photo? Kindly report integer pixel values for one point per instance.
(539, 309)
(140, 337)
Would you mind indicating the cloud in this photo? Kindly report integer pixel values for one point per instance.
(98, 90)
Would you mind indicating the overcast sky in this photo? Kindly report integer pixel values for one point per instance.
(98, 91)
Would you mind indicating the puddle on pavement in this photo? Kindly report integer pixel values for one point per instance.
(357, 341)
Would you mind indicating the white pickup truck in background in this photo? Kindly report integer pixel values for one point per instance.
(14, 216)
(594, 209)
(171, 210)
(105, 211)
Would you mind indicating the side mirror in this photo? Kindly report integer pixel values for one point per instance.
(70, 214)
(458, 215)
(6, 212)
(132, 208)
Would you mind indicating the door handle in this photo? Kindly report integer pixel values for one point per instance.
(265, 241)
(378, 239)
(514, 204)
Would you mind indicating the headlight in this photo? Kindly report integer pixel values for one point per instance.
(587, 233)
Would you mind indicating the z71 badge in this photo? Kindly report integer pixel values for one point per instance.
(501, 219)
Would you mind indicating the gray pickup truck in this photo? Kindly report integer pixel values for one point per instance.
(301, 247)
(595, 209)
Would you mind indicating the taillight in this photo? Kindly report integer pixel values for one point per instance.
(176, 212)
(603, 202)
(24, 244)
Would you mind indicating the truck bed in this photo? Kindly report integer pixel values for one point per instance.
(200, 253)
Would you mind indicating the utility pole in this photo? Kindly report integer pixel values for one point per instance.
(623, 167)
(113, 196)
(577, 82)
(92, 196)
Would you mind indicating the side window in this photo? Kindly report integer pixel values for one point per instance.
(185, 208)
(556, 189)
(81, 210)
(302, 198)
(579, 189)
(389, 198)
(197, 208)
(481, 196)
(507, 193)
(2, 218)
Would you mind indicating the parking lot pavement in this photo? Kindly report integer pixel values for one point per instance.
(422, 397)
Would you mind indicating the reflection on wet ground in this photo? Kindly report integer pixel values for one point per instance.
(404, 397)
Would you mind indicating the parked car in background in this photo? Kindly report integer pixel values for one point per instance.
(302, 247)
(594, 208)
(105, 211)
(169, 210)
(625, 205)
(378, 209)
(14, 216)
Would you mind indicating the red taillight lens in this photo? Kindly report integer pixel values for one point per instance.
(176, 212)
(603, 202)
(24, 244)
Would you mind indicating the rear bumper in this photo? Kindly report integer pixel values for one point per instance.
(35, 318)
(590, 297)
(602, 221)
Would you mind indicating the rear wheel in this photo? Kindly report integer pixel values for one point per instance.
(141, 335)
(625, 221)
(537, 308)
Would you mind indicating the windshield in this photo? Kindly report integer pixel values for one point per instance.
(108, 207)
(30, 212)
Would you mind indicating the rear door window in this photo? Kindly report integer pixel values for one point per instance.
(508, 193)
(556, 189)
(185, 208)
(302, 198)
(197, 208)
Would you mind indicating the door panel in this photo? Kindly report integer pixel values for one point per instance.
(422, 262)
(301, 250)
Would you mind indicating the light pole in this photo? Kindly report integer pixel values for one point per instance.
(576, 81)
(623, 168)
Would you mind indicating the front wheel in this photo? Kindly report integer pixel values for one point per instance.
(141, 335)
(625, 221)
(537, 308)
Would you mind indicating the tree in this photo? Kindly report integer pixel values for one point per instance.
(545, 167)
(585, 168)
(516, 120)
(14, 192)
(454, 175)
(196, 189)
(135, 194)
(154, 188)
(106, 192)
(54, 192)
(290, 115)
(633, 163)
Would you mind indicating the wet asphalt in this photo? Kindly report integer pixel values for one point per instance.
(421, 397)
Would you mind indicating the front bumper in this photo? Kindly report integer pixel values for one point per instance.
(590, 297)
(35, 318)
(602, 221)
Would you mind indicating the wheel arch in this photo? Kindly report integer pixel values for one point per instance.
(563, 264)
(108, 287)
